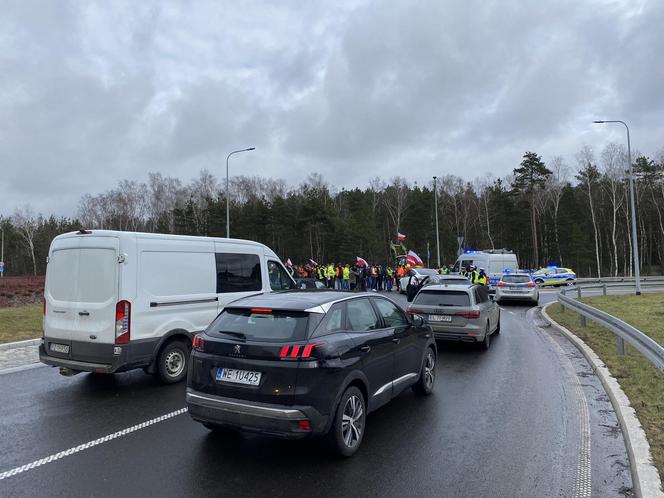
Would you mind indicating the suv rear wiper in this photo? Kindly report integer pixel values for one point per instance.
(234, 334)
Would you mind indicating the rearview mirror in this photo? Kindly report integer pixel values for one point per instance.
(418, 321)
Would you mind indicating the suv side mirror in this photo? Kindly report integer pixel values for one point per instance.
(418, 321)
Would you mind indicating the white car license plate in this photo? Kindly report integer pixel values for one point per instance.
(518, 291)
(238, 376)
(60, 348)
(440, 318)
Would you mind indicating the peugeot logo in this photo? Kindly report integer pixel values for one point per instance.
(236, 349)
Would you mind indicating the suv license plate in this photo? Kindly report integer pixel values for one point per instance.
(238, 376)
(60, 348)
(440, 318)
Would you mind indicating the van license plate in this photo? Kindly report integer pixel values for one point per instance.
(238, 376)
(440, 318)
(60, 348)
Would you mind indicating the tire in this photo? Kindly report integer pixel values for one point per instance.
(345, 436)
(172, 362)
(539, 281)
(424, 385)
(486, 343)
(570, 282)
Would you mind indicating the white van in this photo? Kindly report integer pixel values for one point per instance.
(495, 263)
(116, 301)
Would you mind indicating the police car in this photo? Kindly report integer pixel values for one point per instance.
(554, 276)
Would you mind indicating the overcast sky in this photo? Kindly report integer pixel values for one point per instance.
(95, 92)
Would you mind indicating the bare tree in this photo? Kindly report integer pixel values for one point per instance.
(613, 166)
(588, 176)
(555, 186)
(483, 189)
(395, 200)
(26, 224)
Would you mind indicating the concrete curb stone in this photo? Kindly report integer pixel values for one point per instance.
(646, 479)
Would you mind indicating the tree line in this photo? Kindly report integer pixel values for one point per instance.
(574, 215)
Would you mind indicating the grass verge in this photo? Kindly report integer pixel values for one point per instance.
(642, 382)
(20, 322)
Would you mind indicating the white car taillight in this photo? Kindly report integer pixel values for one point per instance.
(122, 322)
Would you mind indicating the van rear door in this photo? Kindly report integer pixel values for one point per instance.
(81, 293)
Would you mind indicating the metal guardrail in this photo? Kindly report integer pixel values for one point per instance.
(588, 280)
(622, 330)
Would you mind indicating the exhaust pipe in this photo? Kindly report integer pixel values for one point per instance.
(68, 372)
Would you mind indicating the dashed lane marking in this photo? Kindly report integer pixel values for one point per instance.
(90, 444)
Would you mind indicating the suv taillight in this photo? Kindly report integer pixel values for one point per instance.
(122, 322)
(297, 352)
(413, 311)
(198, 343)
(501, 284)
(469, 314)
(531, 284)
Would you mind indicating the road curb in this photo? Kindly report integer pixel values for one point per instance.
(645, 477)
(19, 344)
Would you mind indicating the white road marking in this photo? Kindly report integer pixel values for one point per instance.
(90, 444)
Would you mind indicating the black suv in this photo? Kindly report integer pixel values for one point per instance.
(296, 364)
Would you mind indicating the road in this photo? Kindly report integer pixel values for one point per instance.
(526, 418)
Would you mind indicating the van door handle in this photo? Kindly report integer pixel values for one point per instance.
(84, 313)
(365, 349)
(396, 340)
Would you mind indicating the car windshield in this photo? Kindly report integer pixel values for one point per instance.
(516, 279)
(442, 298)
(426, 271)
(258, 324)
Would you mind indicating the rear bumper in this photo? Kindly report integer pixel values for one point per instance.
(510, 296)
(251, 416)
(468, 333)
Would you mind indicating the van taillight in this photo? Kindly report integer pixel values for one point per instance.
(198, 343)
(122, 322)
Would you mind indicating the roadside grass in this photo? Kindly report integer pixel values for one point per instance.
(20, 323)
(642, 382)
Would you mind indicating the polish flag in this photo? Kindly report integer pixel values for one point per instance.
(413, 259)
(361, 262)
(313, 262)
(401, 237)
(289, 262)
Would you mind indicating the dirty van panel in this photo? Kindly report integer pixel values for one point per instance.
(81, 293)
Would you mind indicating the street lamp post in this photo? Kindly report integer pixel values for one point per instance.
(228, 199)
(2, 252)
(435, 197)
(635, 245)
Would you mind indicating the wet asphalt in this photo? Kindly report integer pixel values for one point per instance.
(504, 422)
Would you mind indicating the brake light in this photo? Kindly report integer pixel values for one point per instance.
(469, 314)
(501, 284)
(198, 343)
(413, 311)
(122, 322)
(305, 425)
(531, 284)
(262, 311)
(297, 352)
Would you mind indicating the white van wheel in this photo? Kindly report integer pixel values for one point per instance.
(172, 362)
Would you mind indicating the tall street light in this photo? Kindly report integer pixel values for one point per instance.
(228, 199)
(635, 250)
(435, 197)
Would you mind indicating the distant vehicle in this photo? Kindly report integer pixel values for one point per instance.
(495, 262)
(517, 287)
(299, 364)
(309, 283)
(447, 279)
(554, 276)
(115, 301)
(420, 274)
(458, 312)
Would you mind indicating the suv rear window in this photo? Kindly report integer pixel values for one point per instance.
(442, 298)
(261, 324)
(516, 279)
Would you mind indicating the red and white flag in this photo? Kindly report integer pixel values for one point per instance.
(313, 262)
(413, 259)
(401, 237)
(362, 262)
(289, 262)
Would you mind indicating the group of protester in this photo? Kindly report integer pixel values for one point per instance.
(348, 277)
